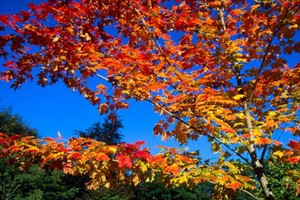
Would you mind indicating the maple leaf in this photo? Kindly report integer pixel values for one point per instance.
(234, 185)
(293, 160)
(74, 155)
(3, 141)
(143, 155)
(102, 157)
(124, 161)
(294, 145)
(173, 169)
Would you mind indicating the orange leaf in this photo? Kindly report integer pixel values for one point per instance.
(102, 157)
(234, 185)
(173, 169)
(236, 12)
(262, 141)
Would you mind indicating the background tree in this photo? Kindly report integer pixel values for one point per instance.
(107, 132)
(157, 191)
(35, 183)
(282, 183)
(217, 69)
(13, 124)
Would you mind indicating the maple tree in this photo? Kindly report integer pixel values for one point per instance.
(216, 69)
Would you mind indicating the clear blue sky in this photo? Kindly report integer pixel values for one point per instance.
(56, 108)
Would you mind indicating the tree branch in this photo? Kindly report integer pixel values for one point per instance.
(221, 14)
(175, 69)
(250, 194)
(267, 52)
(180, 119)
(263, 153)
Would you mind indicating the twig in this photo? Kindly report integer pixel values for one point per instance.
(250, 194)
(257, 78)
(263, 153)
(176, 71)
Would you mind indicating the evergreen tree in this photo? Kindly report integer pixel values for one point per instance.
(107, 132)
(12, 124)
(34, 184)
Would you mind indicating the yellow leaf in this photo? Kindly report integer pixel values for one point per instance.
(238, 97)
(239, 124)
(136, 180)
(240, 115)
(234, 139)
(271, 113)
(243, 60)
(144, 168)
(278, 154)
(257, 133)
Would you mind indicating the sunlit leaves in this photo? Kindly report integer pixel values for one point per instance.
(105, 164)
(220, 69)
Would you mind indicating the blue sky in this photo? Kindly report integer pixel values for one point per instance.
(57, 108)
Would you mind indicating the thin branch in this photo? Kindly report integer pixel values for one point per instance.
(250, 194)
(263, 153)
(257, 78)
(266, 146)
(181, 120)
(221, 13)
(245, 191)
(97, 74)
(176, 70)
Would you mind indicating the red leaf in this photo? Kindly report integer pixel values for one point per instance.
(293, 160)
(74, 155)
(139, 143)
(145, 70)
(3, 135)
(14, 137)
(172, 98)
(4, 19)
(173, 169)
(5, 77)
(263, 141)
(236, 12)
(2, 141)
(143, 155)
(33, 7)
(124, 161)
(294, 145)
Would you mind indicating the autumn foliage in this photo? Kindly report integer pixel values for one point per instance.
(111, 165)
(225, 70)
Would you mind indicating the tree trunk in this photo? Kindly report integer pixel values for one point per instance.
(256, 164)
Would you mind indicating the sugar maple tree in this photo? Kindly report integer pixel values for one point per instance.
(215, 69)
